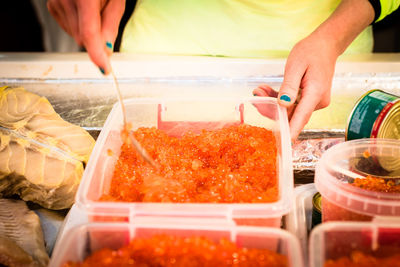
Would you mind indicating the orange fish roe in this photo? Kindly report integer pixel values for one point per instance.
(359, 259)
(236, 164)
(166, 250)
(377, 184)
(366, 154)
(332, 212)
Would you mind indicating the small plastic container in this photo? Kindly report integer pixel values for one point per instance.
(176, 116)
(81, 241)
(334, 240)
(341, 165)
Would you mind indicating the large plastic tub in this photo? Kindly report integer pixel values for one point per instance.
(176, 116)
(336, 169)
(81, 241)
(332, 241)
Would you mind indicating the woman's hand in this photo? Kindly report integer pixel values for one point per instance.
(311, 63)
(92, 23)
(307, 82)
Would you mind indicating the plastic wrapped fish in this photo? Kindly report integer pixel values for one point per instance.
(41, 156)
(21, 237)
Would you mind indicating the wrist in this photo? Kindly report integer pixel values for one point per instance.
(349, 19)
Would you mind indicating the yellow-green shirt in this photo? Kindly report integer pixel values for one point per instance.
(233, 28)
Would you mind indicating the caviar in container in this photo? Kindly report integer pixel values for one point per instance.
(359, 180)
(162, 243)
(228, 158)
(356, 244)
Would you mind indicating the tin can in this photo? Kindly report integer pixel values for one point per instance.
(316, 210)
(376, 115)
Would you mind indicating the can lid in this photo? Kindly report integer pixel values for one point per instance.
(390, 129)
(316, 201)
(336, 171)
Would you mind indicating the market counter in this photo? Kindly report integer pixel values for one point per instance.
(81, 95)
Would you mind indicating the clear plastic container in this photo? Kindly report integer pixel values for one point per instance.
(334, 240)
(176, 116)
(83, 240)
(299, 219)
(342, 164)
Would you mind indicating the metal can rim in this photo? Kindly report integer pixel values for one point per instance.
(388, 117)
(316, 201)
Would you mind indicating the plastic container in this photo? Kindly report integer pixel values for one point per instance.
(340, 165)
(334, 240)
(299, 219)
(83, 240)
(175, 116)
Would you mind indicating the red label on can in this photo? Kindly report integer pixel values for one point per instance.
(379, 119)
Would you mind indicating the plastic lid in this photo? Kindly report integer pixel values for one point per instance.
(342, 163)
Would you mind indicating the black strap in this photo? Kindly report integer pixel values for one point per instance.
(376, 4)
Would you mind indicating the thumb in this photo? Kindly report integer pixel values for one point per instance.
(111, 17)
(291, 84)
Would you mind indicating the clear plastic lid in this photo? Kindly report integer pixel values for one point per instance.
(351, 161)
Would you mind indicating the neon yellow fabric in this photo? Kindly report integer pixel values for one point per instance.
(387, 7)
(234, 28)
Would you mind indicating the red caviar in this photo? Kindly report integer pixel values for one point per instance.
(359, 259)
(377, 184)
(236, 164)
(332, 212)
(167, 250)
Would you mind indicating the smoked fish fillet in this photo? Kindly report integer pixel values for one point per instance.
(21, 236)
(42, 156)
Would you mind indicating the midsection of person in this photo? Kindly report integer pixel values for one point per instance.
(232, 28)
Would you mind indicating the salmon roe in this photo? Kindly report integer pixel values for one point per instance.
(236, 164)
(359, 259)
(167, 250)
(377, 184)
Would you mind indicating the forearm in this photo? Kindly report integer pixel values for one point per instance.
(349, 19)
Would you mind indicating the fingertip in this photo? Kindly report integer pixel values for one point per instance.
(109, 45)
(258, 92)
(99, 56)
(101, 69)
(105, 68)
(294, 135)
(285, 100)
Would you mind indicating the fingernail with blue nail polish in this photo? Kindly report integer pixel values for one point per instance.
(285, 98)
(102, 70)
(109, 45)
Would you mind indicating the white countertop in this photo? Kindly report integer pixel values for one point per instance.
(78, 65)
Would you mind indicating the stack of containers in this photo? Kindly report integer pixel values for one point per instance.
(236, 221)
(359, 182)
